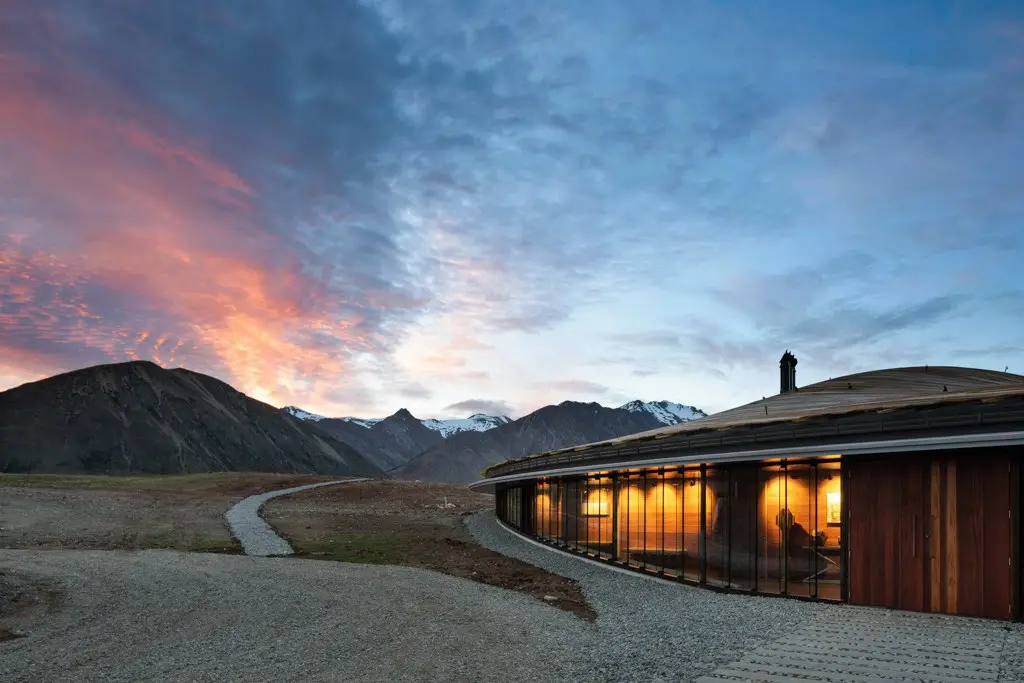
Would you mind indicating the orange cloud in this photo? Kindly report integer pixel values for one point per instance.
(141, 246)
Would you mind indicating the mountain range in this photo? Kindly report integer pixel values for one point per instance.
(477, 422)
(138, 417)
(410, 448)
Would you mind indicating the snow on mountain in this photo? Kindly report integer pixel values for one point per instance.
(302, 414)
(474, 423)
(363, 421)
(665, 412)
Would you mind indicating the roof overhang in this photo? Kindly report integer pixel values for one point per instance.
(851, 448)
(978, 416)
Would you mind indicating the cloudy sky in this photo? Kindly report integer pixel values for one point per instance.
(452, 206)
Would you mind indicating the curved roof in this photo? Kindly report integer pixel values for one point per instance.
(874, 391)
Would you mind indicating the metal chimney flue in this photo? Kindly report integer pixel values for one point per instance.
(787, 373)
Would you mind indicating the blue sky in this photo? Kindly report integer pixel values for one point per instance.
(481, 205)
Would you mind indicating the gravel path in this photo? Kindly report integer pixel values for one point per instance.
(652, 630)
(656, 631)
(159, 615)
(256, 536)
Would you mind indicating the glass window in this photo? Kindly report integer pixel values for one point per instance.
(597, 510)
(582, 529)
(716, 509)
(772, 519)
(563, 512)
(828, 530)
(802, 561)
(632, 512)
(570, 506)
(664, 511)
(529, 510)
(743, 527)
(652, 555)
(548, 511)
(772, 528)
(692, 488)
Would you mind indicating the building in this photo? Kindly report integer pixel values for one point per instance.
(898, 488)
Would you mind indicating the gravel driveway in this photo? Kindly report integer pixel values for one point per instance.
(167, 616)
(651, 630)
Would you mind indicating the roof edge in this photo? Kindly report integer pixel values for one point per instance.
(853, 411)
(854, 448)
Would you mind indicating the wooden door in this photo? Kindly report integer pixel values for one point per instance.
(933, 533)
(887, 504)
(979, 572)
(912, 549)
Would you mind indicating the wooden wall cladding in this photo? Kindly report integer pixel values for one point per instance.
(935, 533)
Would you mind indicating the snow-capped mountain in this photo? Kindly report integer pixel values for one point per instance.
(474, 423)
(665, 412)
(569, 423)
(363, 421)
(302, 414)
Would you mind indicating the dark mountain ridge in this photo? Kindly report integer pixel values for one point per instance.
(388, 443)
(463, 457)
(138, 417)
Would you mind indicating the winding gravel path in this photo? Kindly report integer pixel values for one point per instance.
(652, 630)
(256, 536)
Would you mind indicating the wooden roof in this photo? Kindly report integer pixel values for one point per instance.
(874, 391)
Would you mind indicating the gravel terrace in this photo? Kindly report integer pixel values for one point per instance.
(650, 630)
(170, 616)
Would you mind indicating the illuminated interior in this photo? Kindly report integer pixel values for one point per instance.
(598, 511)
(548, 511)
(769, 528)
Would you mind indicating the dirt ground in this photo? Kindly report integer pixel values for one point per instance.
(128, 513)
(411, 524)
(19, 595)
(383, 522)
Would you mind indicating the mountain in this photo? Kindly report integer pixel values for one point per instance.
(302, 414)
(389, 442)
(363, 421)
(137, 417)
(474, 423)
(666, 412)
(392, 441)
(462, 457)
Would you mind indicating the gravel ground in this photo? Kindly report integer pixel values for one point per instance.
(255, 535)
(653, 630)
(161, 615)
(1012, 665)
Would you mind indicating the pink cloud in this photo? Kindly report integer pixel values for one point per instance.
(169, 233)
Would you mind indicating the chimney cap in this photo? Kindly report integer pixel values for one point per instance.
(787, 371)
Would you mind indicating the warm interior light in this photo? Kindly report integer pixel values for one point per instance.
(599, 502)
(781, 494)
(833, 507)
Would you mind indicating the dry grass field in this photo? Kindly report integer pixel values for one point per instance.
(412, 524)
(381, 521)
(179, 512)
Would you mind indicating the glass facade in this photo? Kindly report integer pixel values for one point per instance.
(770, 528)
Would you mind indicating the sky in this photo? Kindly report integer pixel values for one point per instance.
(494, 205)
